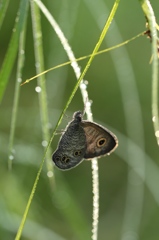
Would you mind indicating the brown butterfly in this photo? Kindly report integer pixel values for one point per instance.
(83, 140)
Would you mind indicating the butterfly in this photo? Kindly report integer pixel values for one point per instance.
(82, 140)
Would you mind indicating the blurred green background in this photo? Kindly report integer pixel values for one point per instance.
(119, 85)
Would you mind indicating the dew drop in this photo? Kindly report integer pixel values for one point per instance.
(37, 65)
(11, 157)
(50, 174)
(88, 103)
(38, 89)
(83, 86)
(154, 119)
(85, 82)
(19, 80)
(157, 133)
(44, 143)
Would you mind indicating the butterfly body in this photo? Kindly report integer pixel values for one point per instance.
(82, 140)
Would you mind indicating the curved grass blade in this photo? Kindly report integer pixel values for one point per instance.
(85, 57)
(13, 47)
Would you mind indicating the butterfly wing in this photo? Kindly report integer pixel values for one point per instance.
(72, 146)
(100, 141)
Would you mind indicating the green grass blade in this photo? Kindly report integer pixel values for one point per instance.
(3, 9)
(149, 13)
(39, 58)
(18, 235)
(84, 57)
(13, 47)
(17, 92)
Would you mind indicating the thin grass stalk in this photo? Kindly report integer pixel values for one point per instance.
(37, 34)
(84, 57)
(21, 226)
(21, 57)
(149, 13)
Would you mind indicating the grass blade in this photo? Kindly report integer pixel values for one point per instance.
(13, 47)
(38, 49)
(16, 95)
(149, 13)
(3, 9)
